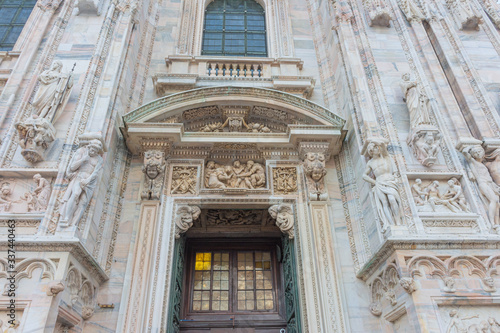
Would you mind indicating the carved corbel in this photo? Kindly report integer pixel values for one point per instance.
(449, 284)
(408, 284)
(154, 174)
(54, 288)
(411, 10)
(489, 284)
(378, 13)
(283, 214)
(185, 216)
(464, 14)
(314, 156)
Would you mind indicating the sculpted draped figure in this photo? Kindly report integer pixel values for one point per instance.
(384, 185)
(479, 173)
(53, 92)
(82, 172)
(416, 101)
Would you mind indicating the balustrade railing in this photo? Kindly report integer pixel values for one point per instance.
(221, 69)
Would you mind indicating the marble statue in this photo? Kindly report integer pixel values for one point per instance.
(411, 10)
(416, 100)
(315, 170)
(492, 162)
(154, 172)
(82, 173)
(479, 173)
(35, 136)
(251, 176)
(185, 216)
(384, 184)
(5, 193)
(53, 92)
(283, 214)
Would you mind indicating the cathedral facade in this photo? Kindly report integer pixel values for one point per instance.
(250, 166)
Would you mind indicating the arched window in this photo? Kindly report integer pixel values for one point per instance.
(13, 16)
(234, 28)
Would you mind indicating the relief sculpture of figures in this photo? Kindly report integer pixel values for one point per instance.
(154, 171)
(423, 137)
(432, 198)
(384, 184)
(315, 170)
(53, 92)
(479, 173)
(82, 173)
(5, 202)
(251, 176)
(38, 199)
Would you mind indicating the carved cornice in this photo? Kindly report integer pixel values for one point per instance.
(435, 243)
(73, 247)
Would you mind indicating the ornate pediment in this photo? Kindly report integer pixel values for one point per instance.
(204, 117)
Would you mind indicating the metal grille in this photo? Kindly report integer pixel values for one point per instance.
(234, 28)
(13, 16)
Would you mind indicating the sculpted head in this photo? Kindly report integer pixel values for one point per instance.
(94, 147)
(453, 181)
(56, 66)
(477, 152)
(418, 181)
(373, 149)
(250, 164)
(237, 164)
(37, 177)
(453, 313)
(211, 165)
(187, 214)
(406, 76)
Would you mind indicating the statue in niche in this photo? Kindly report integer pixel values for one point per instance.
(185, 216)
(38, 200)
(479, 173)
(457, 323)
(315, 170)
(251, 176)
(464, 14)
(384, 184)
(154, 170)
(5, 193)
(283, 214)
(53, 92)
(423, 137)
(82, 172)
(411, 10)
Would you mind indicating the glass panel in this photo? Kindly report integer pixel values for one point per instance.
(13, 16)
(211, 281)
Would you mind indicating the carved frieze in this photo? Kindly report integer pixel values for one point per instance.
(432, 197)
(285, 180)
(232, 217)
(38, 199)
(476, 318)
(154, 173)
(184, 180)
(249, 175)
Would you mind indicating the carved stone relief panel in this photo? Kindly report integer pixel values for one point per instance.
(226, 217)
(469, 318)
(284, 180)
(438, 196)
(24, 196)
(184, 180)
(236, 175)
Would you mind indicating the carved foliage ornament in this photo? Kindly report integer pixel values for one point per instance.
(154, 172)
(185, 216)
(283, 214)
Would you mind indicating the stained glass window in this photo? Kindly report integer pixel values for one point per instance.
(234, 28)
(13, 16)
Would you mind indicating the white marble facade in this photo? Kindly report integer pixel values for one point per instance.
(370, 138)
